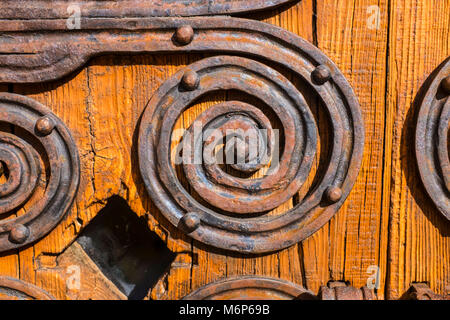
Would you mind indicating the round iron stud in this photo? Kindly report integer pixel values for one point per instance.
(45, 125)
(321, 74)
(190, 80)
(19, 234)
(191, 221)
(184, 35)
(334, 194)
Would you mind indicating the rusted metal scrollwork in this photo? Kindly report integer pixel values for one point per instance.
(15, 289)
(262, 288)
(251, 288)
(245, 227)
(421, 291)
(209, 181)
(432, 142)
(249, 229)
(41, 175)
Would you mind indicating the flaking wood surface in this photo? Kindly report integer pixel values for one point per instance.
(387, 221)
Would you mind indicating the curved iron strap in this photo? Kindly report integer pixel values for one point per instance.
(55, 52)
(15, 289)
(250, 288)
(264, 288)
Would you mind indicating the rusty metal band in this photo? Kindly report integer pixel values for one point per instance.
(27, 169)
(249, 233)
(15, 289)
(432, 143)
(62, 9)
(218, 188)
(336, 290)
(250, 288)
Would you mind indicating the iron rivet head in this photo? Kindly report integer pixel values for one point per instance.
(190, 80)
(19, 234)
(321, 74)
(446, 85)
(191, 221)
(184, 35)
(45, 125)
(333, 194)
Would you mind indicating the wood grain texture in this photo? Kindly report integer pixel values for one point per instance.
(75, 276)
(387, 221)
(356, 238)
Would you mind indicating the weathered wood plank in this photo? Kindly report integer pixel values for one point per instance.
(356, 238)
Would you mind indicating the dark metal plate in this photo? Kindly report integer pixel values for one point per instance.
(432, 139)
(250, 288)
(49, 163)
(15, 289)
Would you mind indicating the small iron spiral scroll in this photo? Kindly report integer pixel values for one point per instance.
(40, 171)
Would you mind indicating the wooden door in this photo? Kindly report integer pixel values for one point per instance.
(97, 98)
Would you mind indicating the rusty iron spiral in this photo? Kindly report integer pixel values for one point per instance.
(250, 229)
(217, 187)
(26, 170)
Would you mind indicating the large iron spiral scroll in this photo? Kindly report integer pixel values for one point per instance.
(40, 168)
(235, 217)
